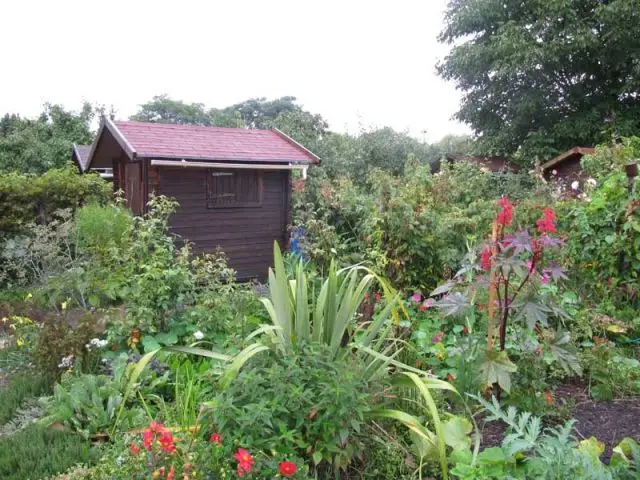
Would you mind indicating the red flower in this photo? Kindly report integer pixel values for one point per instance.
(546, 223)
(548, 398)
(166, 442)
(485, 258)
(287, 469)
(505, 215)
(245, 461)
(147, 439)
(378, 297)
(172, 473)
(134, 448)
(215, 438)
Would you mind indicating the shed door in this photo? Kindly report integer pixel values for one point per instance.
(133, 188)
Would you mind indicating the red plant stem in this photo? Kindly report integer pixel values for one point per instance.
(533, 267)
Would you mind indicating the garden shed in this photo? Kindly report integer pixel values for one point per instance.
(80, 156)
(233, 184)
(567, 165)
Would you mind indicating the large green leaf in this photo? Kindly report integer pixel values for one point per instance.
(456, 433)
(497, 368)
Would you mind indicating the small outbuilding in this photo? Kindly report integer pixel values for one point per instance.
(233, 185)
(566, 167)
(80, 156)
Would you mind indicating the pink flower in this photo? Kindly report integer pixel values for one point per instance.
(215, 438)
(426, 305)
(416, 297)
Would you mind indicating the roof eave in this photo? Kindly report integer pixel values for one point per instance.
(248, 161)
(563, 156)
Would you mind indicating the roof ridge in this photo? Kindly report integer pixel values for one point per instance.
(189, 126)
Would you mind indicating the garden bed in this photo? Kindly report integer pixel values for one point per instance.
(609, 422)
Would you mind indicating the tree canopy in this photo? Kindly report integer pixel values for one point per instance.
(543, 76)
(382, 148)
(39, 144)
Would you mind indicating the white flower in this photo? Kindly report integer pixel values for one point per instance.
(592, 182)
(66, 362)
(96, 342)
(575, 185)
(198, 335)
(554, 172)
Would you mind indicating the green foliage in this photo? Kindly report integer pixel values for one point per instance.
(102, 226)
(194, 457)
(543, 76)
(413, 227)
(19, 389)
(528, 452)
(611, 158)
(298, 317)
(611, 371)
(88, 404)
(170, 293)
(37, 145)
(307, 403)
(26, 198)
(604, 240)
(387, 459)
(37, 452)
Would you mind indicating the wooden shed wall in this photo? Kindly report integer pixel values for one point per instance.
(568, 170)
(245, 234)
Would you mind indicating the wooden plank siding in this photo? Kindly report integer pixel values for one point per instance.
(245, 234)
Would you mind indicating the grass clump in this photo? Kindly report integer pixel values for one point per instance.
(19, 389)
(37, 452)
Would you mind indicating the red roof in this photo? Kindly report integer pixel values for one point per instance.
(192, 142)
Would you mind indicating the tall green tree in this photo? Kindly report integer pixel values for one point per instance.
(163, 109)
(39, 144)
(542, 76)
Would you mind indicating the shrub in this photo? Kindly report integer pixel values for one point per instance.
(25, 199)
(37, 452)
(604, 240)
(307, 404)
(63, 337)
(164, 452)
(102, 226)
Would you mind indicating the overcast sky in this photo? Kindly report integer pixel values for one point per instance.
(355, 62)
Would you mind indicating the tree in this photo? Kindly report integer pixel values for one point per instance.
(456, 144)
(162, 109)
(543, 76)
(37, 145)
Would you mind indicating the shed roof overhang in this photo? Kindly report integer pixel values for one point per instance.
(110, 134)
(566, 156)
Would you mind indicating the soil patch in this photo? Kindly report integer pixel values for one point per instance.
(609, 422)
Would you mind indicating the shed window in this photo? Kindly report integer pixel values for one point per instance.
(234, 189)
